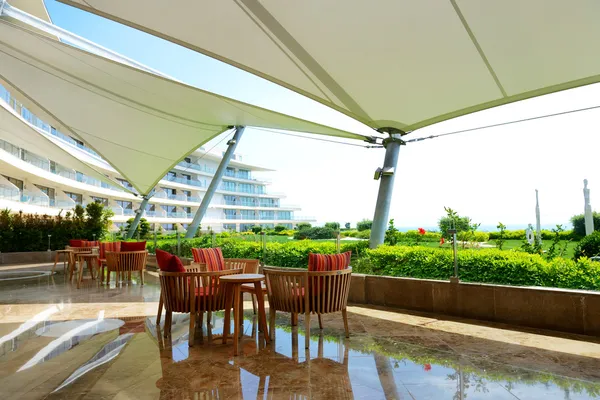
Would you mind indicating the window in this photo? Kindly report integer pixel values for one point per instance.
(17, 182)
(187, 210)
(247, 201)
(267, 214)
(186, 193)
(268, 203)
(170, 209)
(229, 227)
(76, 197)
(246, 188)
(170, 191)
(248, 214)
(230, 214)
(228, 185)
(243, 174)
(246, 227)
(100, 200)
(171, 175)
(168, 227)
(125, 183)
(126, 205)
(230, 171)
(230, 200)
(260, 190)
(150, 207)
(186, 177)
(284, 215)
(79, 142)
(79, 176)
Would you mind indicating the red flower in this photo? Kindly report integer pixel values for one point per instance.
(427, 367)
(442, 241)
(422, 231)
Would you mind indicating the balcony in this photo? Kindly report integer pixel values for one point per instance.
(185, 181)
(197, 167)
(178, 214)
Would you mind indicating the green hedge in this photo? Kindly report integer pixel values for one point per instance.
(520, 235)
(485, 266)
(289, 255)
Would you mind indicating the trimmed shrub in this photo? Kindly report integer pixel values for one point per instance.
(315, 233)
(519, 234)
(578, 222)
(485, 266)
(364, 225)
(589, 246)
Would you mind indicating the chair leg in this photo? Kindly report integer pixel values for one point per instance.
(320, 322)
(272, 315)
(345, 316)
(192, 329)
(227, 320)
(142, 276)
(168, 319)
(307, 328)
(160, 307)
(294, 319)
(55, 262)
(254, 301)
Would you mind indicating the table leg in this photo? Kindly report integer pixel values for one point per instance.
(262, 318)
(228, 303)
(241, 310)
(236, 319)
(80, 278)
(55, 262)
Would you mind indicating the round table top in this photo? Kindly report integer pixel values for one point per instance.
(88, 255)
(242, 278)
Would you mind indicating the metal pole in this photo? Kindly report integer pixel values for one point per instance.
(214, 183)
(264, 246)
(138, 215)
(337, 243)
(178, 243)
(384, 197)
(454, 247)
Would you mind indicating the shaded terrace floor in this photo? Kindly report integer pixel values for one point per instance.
(59, 342)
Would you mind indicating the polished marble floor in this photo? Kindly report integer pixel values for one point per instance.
(58, 342)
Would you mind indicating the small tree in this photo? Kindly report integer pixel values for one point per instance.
(143, 228)
(391, 235)
(333, 225)
(279, 228)
(364, 225)
(453, 221)
(347, 225)
(578, 222)
(303, 225)
(257, 229)
(500, 241)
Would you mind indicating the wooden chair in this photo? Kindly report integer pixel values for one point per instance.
(125, 262)
(249, 266)
(195, 267)
(73, 251)
(303, 292)
(192, 292)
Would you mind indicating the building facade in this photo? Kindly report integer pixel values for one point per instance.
(33, 183)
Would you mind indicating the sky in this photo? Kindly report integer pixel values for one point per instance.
(489, 175)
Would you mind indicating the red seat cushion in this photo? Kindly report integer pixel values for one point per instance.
(133, 246)
(213, 258)
(168, 262)
(108, 246)
(76, 242)
(328, 262)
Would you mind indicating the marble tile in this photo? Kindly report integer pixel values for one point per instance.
(390, 354)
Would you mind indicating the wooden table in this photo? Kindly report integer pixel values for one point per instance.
(90, 259)
(66, 259)
(233, 284)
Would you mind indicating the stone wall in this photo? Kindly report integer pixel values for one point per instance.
(575, 311)
(27, 257)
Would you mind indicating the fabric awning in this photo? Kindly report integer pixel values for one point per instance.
(402, 64)
(15, 130)
(142, 124)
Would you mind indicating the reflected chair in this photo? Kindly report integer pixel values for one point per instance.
(193, 293)
(125, 262)
(303, 292)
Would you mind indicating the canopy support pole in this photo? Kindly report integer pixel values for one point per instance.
(138, 216)
(384, 197)
(214, 183)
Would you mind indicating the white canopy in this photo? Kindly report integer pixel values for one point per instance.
(142, 124)
(402, 64)
(15, 130)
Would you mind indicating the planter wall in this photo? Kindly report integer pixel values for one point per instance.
(27, 257)
(563, 310)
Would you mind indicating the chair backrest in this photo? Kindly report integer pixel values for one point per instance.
(287, 289)
(249, 266)
(108, 246)
(81, 249)
(126, 260)
(328, 290)
(179, 290)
